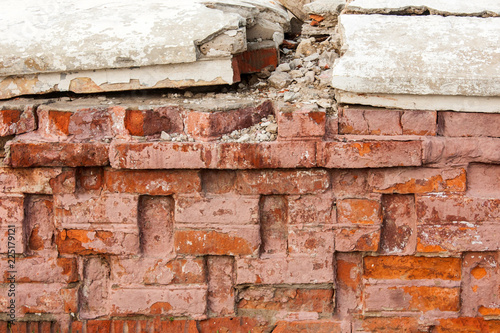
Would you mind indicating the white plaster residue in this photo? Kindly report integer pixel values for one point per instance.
(419, 55)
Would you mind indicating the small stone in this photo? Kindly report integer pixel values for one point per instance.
(244, 138)
(290, 96)
(280, 80)
(296, 63)
(188, 94)
(265, 124)
(190, 139)
(312, 57)
(165, 136)
(272, 128)
(283, 67)
(296, 73)
(324, 103)
(309, 77)
(305, 48)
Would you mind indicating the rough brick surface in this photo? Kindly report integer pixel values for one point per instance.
(17, 121)
(37, 180)
(398, 234)
(304, 123)
(156, 225)
(469, 124)
(273, 224)
(150, 122)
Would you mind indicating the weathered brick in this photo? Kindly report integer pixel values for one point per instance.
(33, 154)
(412, 268)
(282, 181)
(483, 180)
(95, 288)
(465, 325)
(308, 326)
(80, 209)
(150, 122)
(300, 122)
(152, 182)
(280, 270)
(359, 211)
(211, 125)
(17, 121)
(362, 238)
(387, 325)
(263, 155)
(233, 325)
(437, 208)
(398, 235)
(185, 326)
(153, 271)
(85, 242)
(310, 241)
(39, 224)
(44, 270)
(93, 124)
(37, 180)
(156, 225)
(369, 121)
(418, 180)
(220, 286)
(349, 269)
(351, 183)
(99, 326)
(11, 224)
(469, 124)
(290, 299)
(190, 301)
(162, 155)
(411, 298)
(32, 298)
(415, 122)
(480, 285)
(458, 237)
(273, 225)
(227, 240)
(369, 154)
(331, 127)
(218, 181)
(89, 179)
(318, 209)
(52, 123)
(217, 209)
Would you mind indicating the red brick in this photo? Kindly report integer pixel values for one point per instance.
(469, 124)
(265, 155)
(411, 298)
(152, 182)
(184, 326)
(349, 268)
(218, 181)
(252, 61)
(162, 155)
(398, 235)
(33, 154)
(221, 286)
(415, 122)
(480, 285)
(317, 210)
(282, 181)
(39, 224)
(308, 326)
(17, 121)
(359, 211)
(85, 242)
(190, 301)
(300, 122)
(369, 154)
(369, 121)
(418, 180)
(217, 209)
(449, 152)
(44, 270)
(463, 325)
(156, 224)
(310, 241)
(458, 237)
(412, 268)
(72, 210)
(387, 325)
(483, 180)
(210, 126)
(235, 240)
(331, 127)
(232, 325)
(290, 299)
(11, 214)
(94, 288)
(363, 238)
(32, 298)
(150, 122)
(282, 270)
(99, 326)
(432, 209)
(89, 179)
(153, 271)
(53, 124)
(37, 180)
(94, 124)
(350, 183)
(273, 226)
(76, 327)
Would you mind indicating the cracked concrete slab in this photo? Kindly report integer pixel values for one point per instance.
(102, 45)
(435, 7)
(419, 56)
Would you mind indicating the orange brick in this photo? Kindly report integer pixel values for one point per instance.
(85, 242)
(308, 326)
(412, 268)
(462, 325)
(184, 326)
(359, 211)
(363, 238)
(300, 122)
(388, 325)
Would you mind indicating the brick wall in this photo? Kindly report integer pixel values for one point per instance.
(371, 220)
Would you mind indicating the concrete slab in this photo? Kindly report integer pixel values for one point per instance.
(436, 7)
(419, 55)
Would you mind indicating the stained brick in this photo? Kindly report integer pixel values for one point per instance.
(93, 124)
(483, 180)
(11, 214)
(348, 283)
(233, 325)
(387, 325)
(273, 226)
(218, 181)
(318, 209)
(37, 180)
(359, 211)
(300, 122)
(415, 122)
(369, 121)
(311, 241)
(39, 224)
(469, 124)
(331, 127)
(150, 122)
(156, 224)
(282, 181)
(17, 121)
(369, 154)
(95, 288)
(308, 326)
(44, 270)
(398, 235)
(351, 183)
(363, 238)
(85, 242)
(221, 293)
(152, 182)
(89, 179)
(53, 124)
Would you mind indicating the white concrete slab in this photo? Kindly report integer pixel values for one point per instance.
(325, 7)
(419, 55)
(438, 7)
